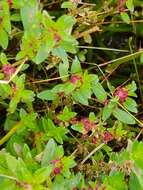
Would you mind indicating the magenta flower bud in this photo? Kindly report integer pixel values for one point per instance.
(8, 70)
(57, 170)
(122, 94)
(57, 37)
(75, 78)
(107, 136)
(121, 5)
(86, 123)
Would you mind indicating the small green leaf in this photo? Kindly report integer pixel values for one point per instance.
(42, 174)
(47, 95)
(67, 5)
(125, 17)
(3, 39)
(108, 109)
(137, 152)
(141, 58)
(66, 115)
(123, 116)
(76, 67)
(44, 50)
(134, 184)
(130, 5)
(49, 153)
(63, 70)
(99, 92)
(130, 105)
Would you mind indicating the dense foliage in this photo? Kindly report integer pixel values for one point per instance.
(71, 95)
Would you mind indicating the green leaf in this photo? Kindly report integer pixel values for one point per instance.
(130, 105)
(67, 5)
(3, 39)
(44, 50)
(139, 176)
(65, 23)
(76, 67)
(78, 127)
(125, 17)
(42, 174)
(108, 109)
(134, 184)
(12, 163)
(3, 58)
(130, 5)
(66, 115)
(81, 97)
(28, 14)
(137, 152)
(23, 173)
(117, 181)
(99, 92)
(58, 133)
(141, 58)
(6, 16)
(63, 70)
(68, 163)
(47, 95)
(123, 116)
(51, 152)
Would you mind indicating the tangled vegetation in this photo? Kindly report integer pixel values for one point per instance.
(71, 95)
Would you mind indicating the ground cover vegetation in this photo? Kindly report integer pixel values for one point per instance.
(71, 95)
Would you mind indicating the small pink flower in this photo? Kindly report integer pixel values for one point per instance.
(88, 125)
(10, 3)
(107, 136)
(8, 70)
(106, 102)
(57, 37)
(57, 170)
(55, 161)
(75, 78)
(121, 4)
(122, 94)
(94, 140)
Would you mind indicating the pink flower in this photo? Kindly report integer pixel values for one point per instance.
(57, 170)
(55, 161)
(94, 140)
(106, 102)
(122, 94)
(8, 70)
(88, 125)
(57, 37)
(107, 136)
(75, 78)
(10, 3)
(121, 4)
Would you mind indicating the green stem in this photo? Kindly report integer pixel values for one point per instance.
(136, 70)
(10, 133)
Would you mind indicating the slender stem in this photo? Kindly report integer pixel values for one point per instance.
(48, 80)
(102, 48)
(92, 152)
(10, 133)
(136, 70)
(9, 177)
